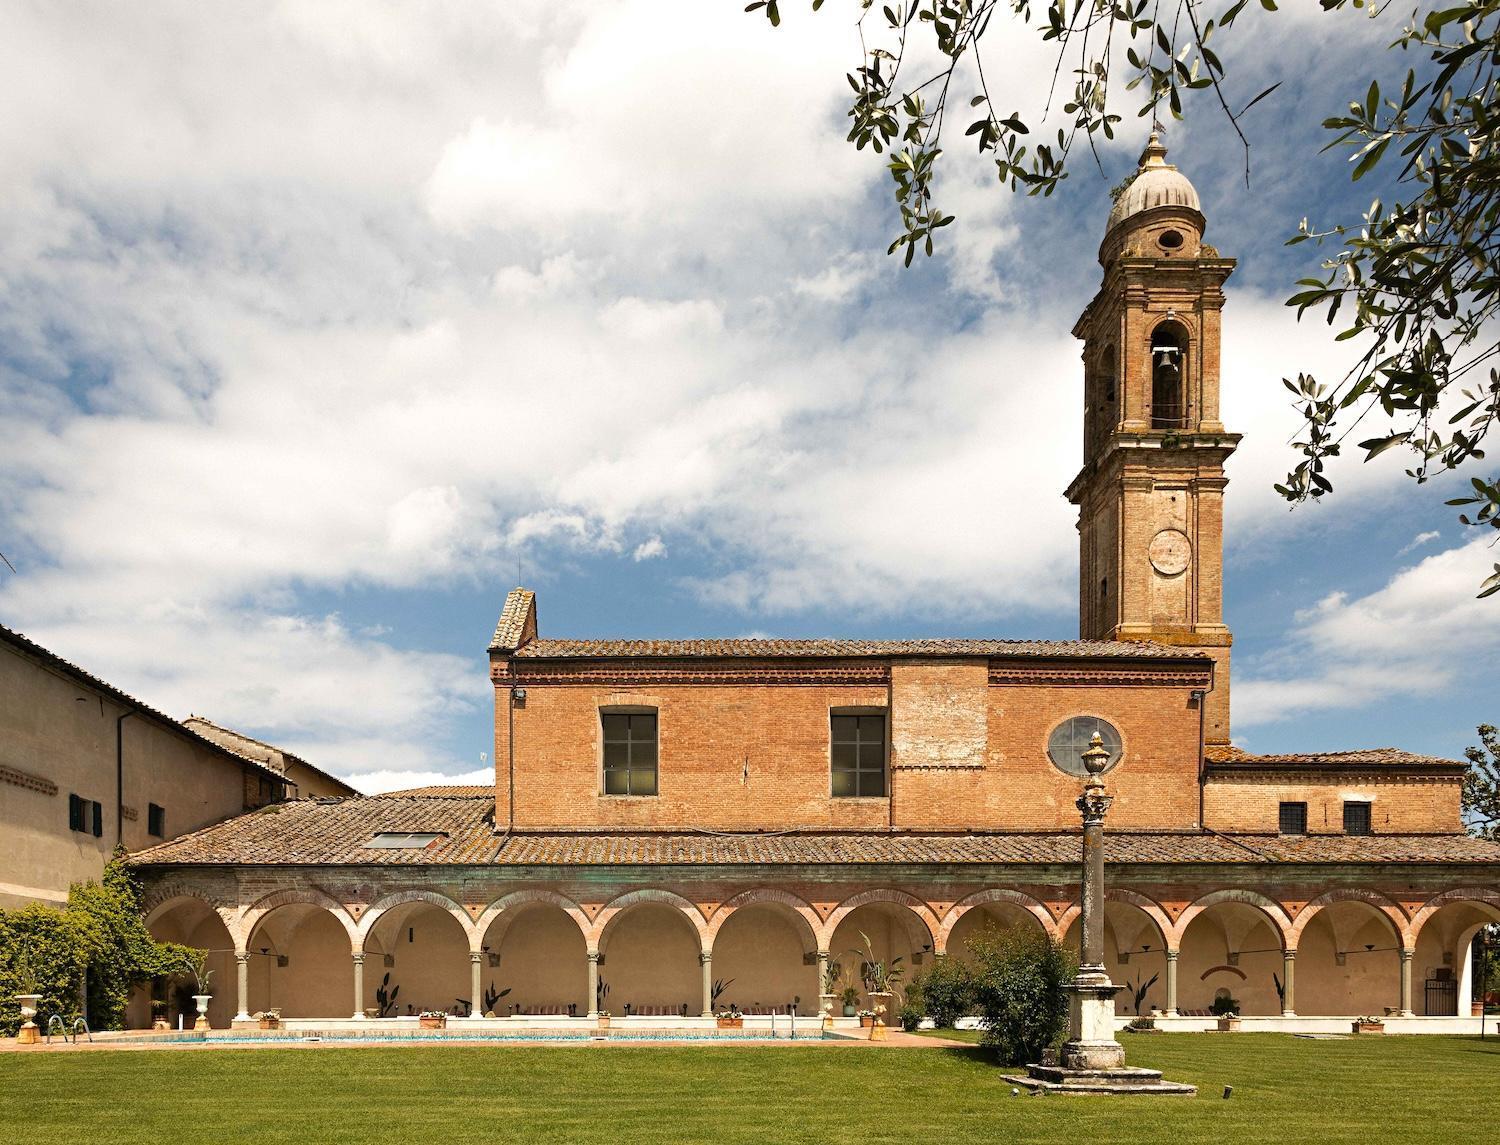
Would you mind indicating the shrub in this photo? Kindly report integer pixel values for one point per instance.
(911, 1016)
(948, 991)
(1019, 980)
(97, 943)
(1224, 1004)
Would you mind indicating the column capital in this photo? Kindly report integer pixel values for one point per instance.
(1289, 954)
(1407, 955)
(1172, 954)
(242, 957)
(705, 957)
(594, 956)
(476, 956)
(358, 956)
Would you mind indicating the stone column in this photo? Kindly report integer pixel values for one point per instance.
(707, 961)
(1091, 1043)
(476, 983)
(242, 984)
(1406, 1010)
(1172, 983)
(593, 983)
(822, 970)
(1288, 983)
(359, 983)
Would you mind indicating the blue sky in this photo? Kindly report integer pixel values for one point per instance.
(323, 325)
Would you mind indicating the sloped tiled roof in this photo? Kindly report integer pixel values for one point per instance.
(447, 790)
(511, 631)
(774, 649)
(276, 758)
(1392, 757)
(336, 832)
(88, 679)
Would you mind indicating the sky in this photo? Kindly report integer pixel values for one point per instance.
(323, 325)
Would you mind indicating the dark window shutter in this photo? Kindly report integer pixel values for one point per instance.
(98, 819)
(75, 814)
(156, 817)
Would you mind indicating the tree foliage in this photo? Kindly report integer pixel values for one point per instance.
(1019, 980)
(947, 991)
(97, 943)
(1481, 794)
(1415, 275)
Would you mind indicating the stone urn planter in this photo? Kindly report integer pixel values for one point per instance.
(201, 1001)
(27, 1035)
(1229, 1024)
(270, 1020)
(1367, 1026)
(826, 1003)
(433, 1021)
(880, 1001)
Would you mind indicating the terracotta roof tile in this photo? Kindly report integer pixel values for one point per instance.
(447, 791)
(1233, 757)
(337, 832)
(767, 649)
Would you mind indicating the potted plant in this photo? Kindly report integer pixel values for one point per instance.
(851, 1001)
(1227, 1010)
(880, 978)
(1368, 1024)
(159, 1014)
(30, 997)
(269, 1019)
(433, 1019)
(867, 1019)
(604, 1019)
(196, 963)
(730, 1019)
(385, 997)
(830, 992)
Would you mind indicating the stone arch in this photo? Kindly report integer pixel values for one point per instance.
(804, 912)
(1275, 914)
(376, 910)
(993, 894)
(517, 899)
(1475, 895)
(612, 910)
(917, 907)
(1148, 906)
(244, 926)
(161, 895)
(153, 911)
(1390, 910)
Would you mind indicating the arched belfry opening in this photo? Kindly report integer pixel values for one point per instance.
(1169, 376)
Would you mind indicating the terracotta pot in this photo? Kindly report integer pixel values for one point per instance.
(603, 1022)
(866, 1021)
(1368, 1027)
(270, 1023)
(433, 1023)
(1229, 1025)
(731, 1023)
(1476, 1009)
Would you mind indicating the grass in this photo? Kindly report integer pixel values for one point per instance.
(1287, 1089)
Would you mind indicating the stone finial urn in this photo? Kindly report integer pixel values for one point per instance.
(27, 1034)
(201, 1000)
(826, 1003)
(880, 1003)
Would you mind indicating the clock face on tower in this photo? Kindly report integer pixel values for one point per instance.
(1170, 552)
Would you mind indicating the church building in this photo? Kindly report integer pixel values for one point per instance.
(681, 826)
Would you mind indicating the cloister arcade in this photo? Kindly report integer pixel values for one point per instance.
(656, 952)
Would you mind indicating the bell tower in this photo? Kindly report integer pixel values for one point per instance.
(1150, 495)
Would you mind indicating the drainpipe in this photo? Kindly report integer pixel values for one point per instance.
(890, 735)
(1202, 698)
(120, 779)
(510, 751)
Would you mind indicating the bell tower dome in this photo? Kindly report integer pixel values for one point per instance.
(1150, 495)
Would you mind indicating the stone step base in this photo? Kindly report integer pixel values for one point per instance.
(1122, 1081)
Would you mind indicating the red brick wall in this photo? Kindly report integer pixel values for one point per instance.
(1417, 805)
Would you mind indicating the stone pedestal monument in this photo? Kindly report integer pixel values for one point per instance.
(1092, 1061)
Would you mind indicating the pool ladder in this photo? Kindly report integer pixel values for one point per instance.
(62, 1028)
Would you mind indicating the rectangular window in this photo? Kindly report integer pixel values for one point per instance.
(629, 753)
(77, 813)
(98, 819)
(1294, 818)
(1356, 818)
(858, 754)
(156, 820)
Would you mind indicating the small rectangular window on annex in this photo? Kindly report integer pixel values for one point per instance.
(156, 820)
(1294, 818)
(1356, 818)
(629, 752)
(857, 754)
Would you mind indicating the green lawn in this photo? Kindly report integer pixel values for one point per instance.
(1287, 1089)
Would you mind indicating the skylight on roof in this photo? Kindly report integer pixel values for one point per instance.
(404, 840)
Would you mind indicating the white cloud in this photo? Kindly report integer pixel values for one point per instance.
(1414, 637)
(1418, 541)
(649, 550)
(374, 782)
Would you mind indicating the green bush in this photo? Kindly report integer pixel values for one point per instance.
(911, 1016)
(1019, 980)
(948, 991)
(98, 943)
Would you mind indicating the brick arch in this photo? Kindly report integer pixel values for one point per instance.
(160, 895)
(1147, 905)
(517, 899)
(250, 917)
(1275, 915)
(993, 894)
(612, 910)
(804, 912)
(917, 907)
(1477, 895)
(376, 910)
(1390, 911)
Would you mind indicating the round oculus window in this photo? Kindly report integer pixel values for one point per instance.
(1071, 738)
(1170, 240)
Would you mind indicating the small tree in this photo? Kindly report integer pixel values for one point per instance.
(1481, 795)
(1019, 979)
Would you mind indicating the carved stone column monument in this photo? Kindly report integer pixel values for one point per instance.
(1092, 1061)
